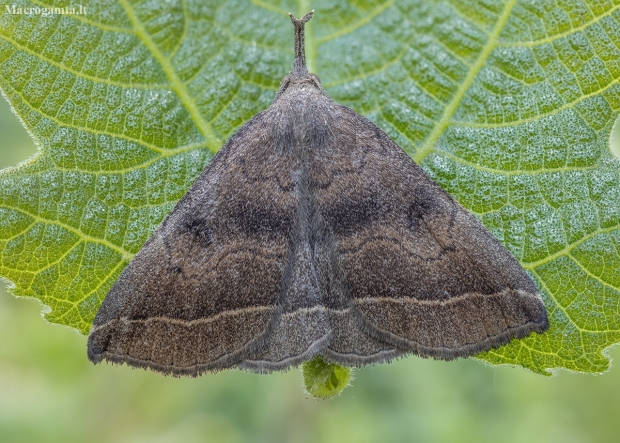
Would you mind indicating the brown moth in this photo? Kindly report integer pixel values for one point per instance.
(311, 233)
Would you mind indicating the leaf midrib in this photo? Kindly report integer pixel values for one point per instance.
(212, 141)
(446, 118)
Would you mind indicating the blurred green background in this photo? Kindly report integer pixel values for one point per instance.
(50, 392)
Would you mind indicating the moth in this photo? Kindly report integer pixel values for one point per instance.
(312, 233)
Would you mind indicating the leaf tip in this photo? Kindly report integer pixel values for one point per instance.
(324, 380)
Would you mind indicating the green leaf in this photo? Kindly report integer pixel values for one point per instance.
(508, 105)
(323, 380)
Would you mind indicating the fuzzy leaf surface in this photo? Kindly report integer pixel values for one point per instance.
(508, 105)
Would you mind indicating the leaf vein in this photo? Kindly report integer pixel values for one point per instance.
(213, 142)
(449, 111)
(80, 74)
(542, 115)
(124, 253)
(366, 18)
(558, 36)
(566, 250)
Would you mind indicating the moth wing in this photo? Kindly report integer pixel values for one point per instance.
(423, 274)
(201, 293)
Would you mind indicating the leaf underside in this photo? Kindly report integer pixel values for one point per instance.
(508, 105)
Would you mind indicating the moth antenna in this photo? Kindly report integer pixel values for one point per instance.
(299, 66)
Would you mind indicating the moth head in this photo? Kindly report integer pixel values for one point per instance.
(299, 77)
(307, 82)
